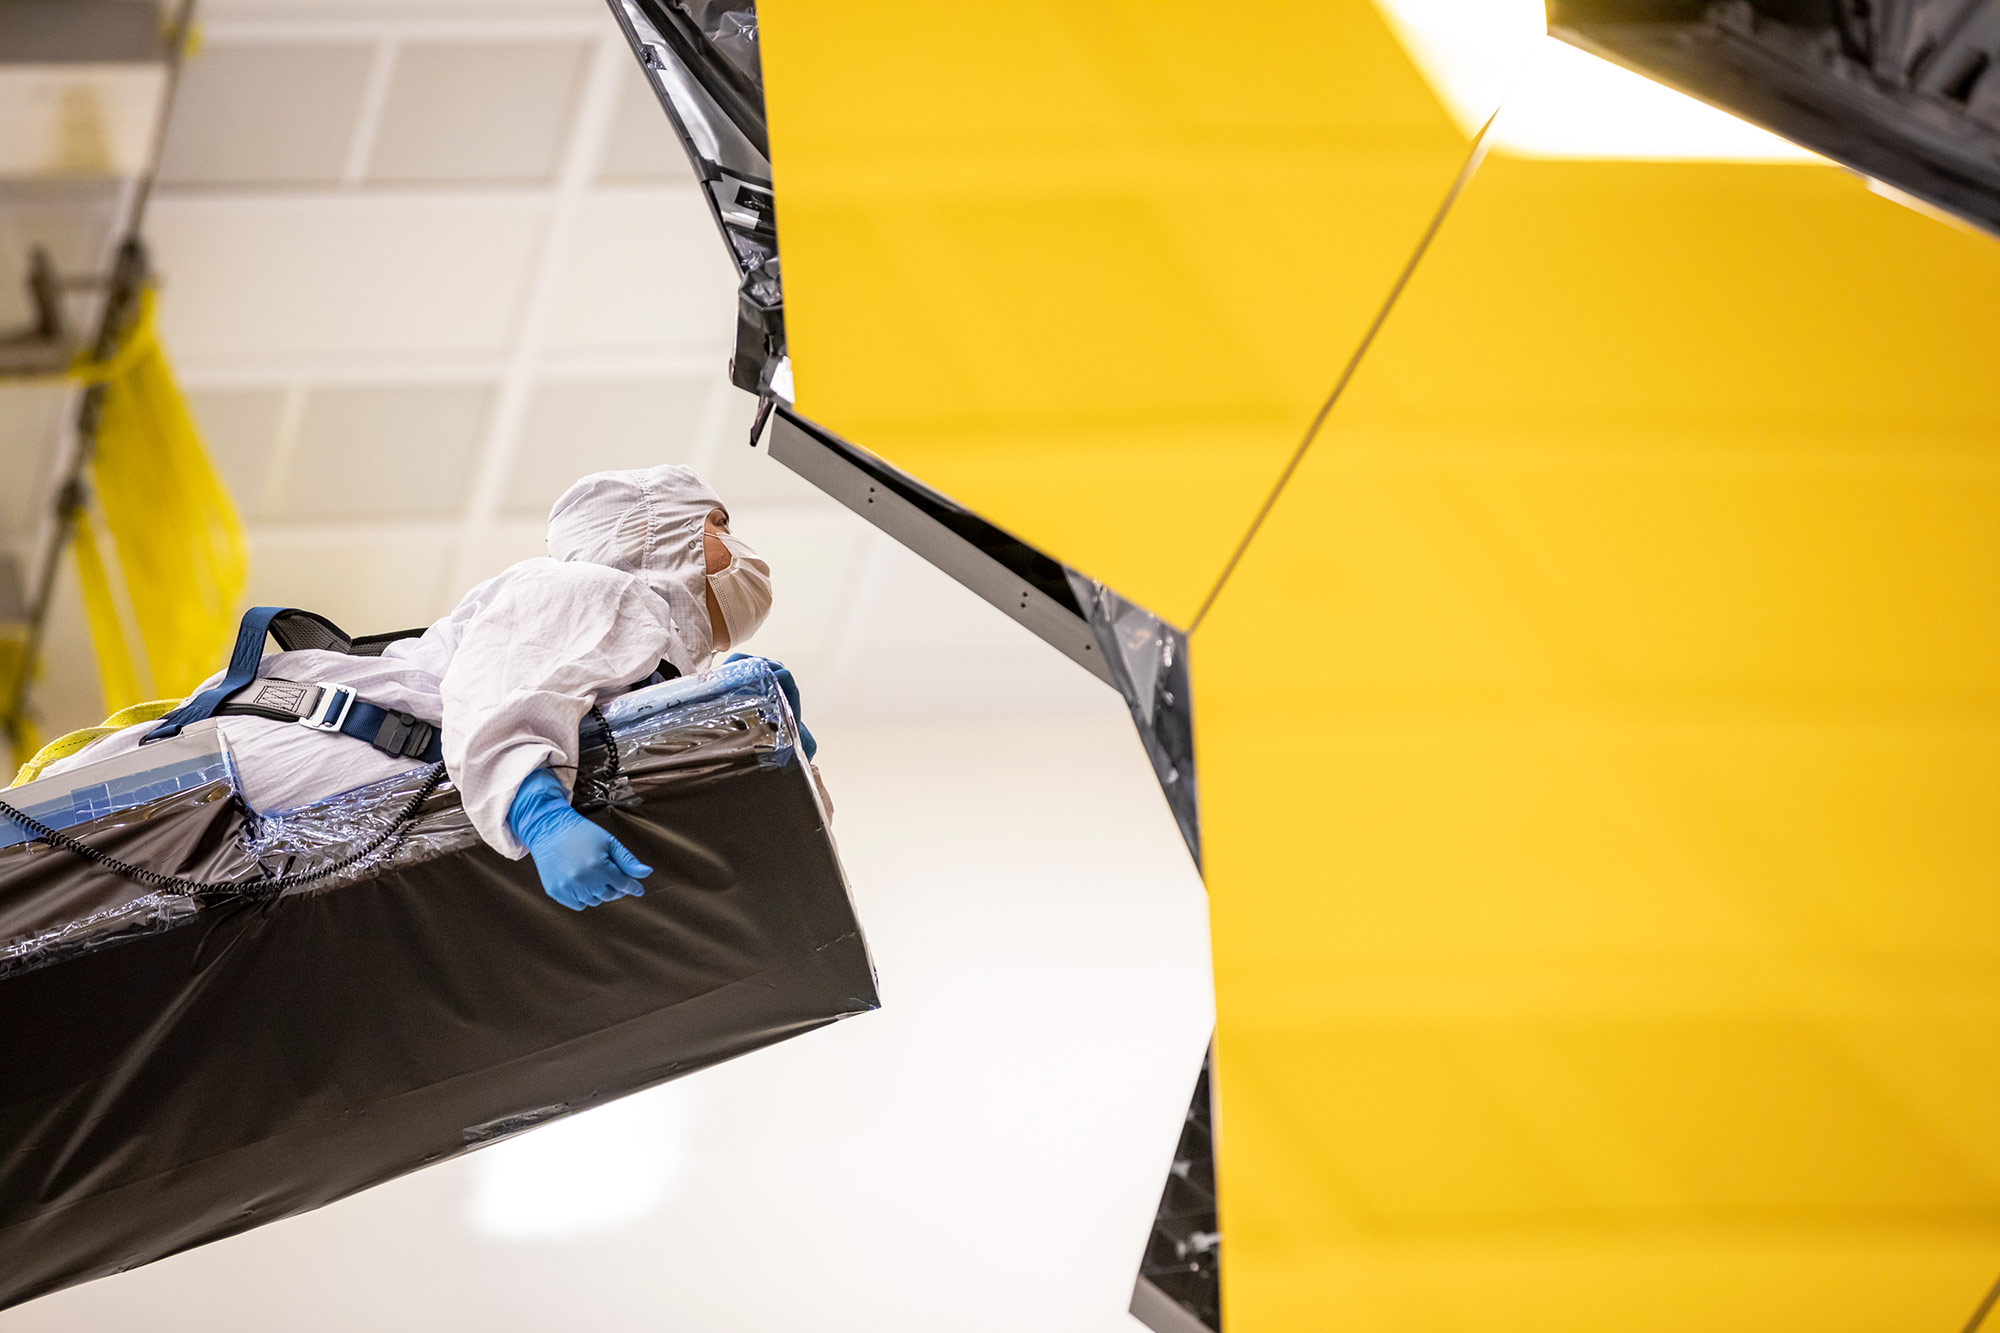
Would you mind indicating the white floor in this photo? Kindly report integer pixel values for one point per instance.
(984, 1153)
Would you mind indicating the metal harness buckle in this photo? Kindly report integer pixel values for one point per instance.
(330, 709)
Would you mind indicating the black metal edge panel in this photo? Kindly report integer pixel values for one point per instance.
(726, 150)
(1121, 643)
(1179, 1288)
(857, 481)
(1733, 58)
(1149, 666)
(1161, 1313)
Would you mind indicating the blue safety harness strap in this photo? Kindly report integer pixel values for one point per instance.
(243, 663)
(338, 708)
(393, 732)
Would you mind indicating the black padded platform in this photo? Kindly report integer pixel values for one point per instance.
(202, 1071)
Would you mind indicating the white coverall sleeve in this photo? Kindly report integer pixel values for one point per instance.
(537, 647)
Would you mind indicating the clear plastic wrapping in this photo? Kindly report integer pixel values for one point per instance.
(196, 758)
(682, 733)
(54, 906)
(731, 29)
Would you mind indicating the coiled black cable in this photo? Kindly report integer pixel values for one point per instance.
(612, 770)
(386, 842)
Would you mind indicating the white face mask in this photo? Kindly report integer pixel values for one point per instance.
(742, 589)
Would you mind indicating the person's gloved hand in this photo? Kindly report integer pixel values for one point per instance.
(790, 689)
(580, 864)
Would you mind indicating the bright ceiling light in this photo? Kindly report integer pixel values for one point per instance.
(1560, 101)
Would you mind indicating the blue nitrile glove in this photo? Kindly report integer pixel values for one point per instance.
(791, 691)
(580, 864)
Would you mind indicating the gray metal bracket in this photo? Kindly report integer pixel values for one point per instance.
(1121, 643)
(837, 468)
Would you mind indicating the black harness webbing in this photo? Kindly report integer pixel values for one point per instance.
(320, 706)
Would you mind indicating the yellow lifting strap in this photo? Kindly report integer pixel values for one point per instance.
(62, 747)
(179, 541)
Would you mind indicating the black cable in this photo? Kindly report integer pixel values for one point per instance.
(612, 772)
(389, 839)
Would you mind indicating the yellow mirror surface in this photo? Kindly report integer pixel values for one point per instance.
(1598, 747)
(1089, 270)
(1599, 752)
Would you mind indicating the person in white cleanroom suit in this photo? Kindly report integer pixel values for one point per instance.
(641, 568)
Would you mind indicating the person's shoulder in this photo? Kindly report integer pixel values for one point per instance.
(542, 578)
(542, 571)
